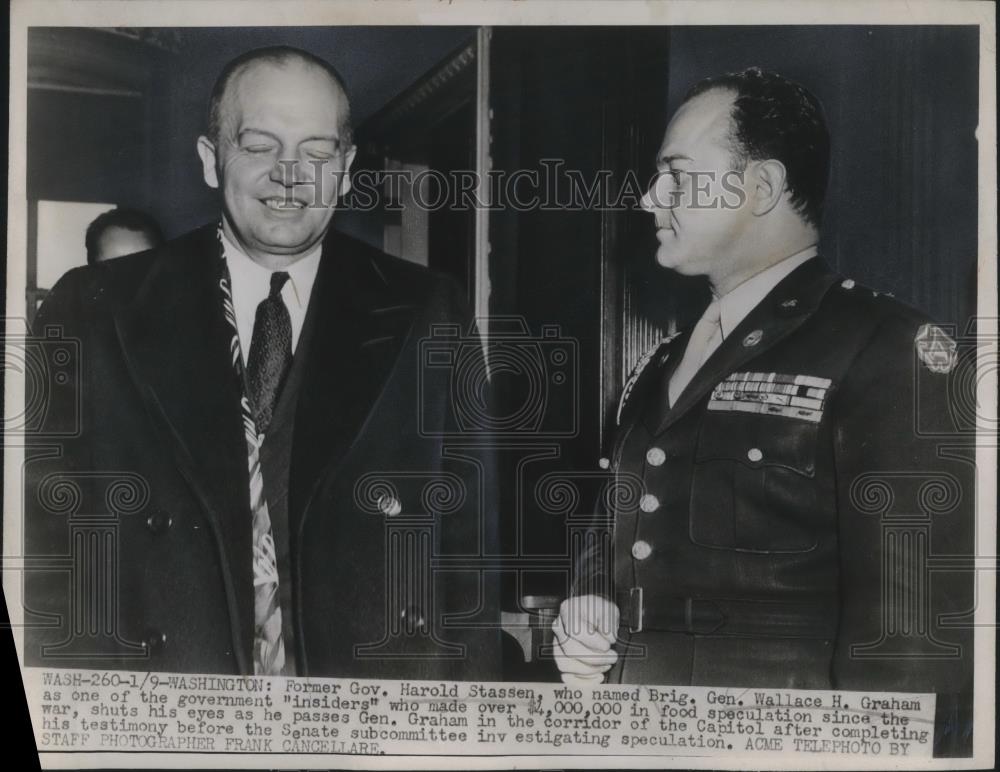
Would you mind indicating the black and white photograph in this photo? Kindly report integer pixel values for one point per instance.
(515, 384)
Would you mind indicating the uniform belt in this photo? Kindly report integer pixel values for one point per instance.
(647, 612)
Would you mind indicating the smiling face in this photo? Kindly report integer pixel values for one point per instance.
(698, 200)
(279, 159)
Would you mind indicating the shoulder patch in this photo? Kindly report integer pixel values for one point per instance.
(644, 360)
(935, 348)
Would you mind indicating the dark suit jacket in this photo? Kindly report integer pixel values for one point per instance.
(773, 547)
(383, 565)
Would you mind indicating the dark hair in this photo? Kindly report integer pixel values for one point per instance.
(774, 117)
(127, 219)
(278, 55)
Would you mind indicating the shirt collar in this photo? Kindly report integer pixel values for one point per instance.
(740, 301)
(243, 271)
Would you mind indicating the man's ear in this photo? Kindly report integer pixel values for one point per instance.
(206, 151)
(345, 180)
(769, 186)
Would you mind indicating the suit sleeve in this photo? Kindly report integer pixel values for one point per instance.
(906, 510)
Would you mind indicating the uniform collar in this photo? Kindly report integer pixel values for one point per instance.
(782, 311)
(736, 304)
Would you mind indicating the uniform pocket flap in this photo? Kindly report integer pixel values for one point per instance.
(759, 441)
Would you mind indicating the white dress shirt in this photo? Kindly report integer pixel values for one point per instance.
(250, 283)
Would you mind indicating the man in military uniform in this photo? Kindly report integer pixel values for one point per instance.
(784, 520)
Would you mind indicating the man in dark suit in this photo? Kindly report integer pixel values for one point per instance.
(256, 460)
(786, 507)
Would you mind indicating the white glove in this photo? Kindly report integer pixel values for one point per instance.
(585, 631)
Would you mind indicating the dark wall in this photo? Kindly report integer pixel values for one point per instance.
(85, 147)
(591, 100)
(902, 104)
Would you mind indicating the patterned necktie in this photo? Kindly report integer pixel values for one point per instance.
(270, 353)
(268, 644)
(705, 338)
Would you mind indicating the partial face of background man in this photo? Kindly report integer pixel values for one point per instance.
(698, 199)
(118, 242)
(119, 232)
(280, 158)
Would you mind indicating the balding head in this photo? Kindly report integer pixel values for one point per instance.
(220, 102)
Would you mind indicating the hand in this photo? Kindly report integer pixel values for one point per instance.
(585, 631)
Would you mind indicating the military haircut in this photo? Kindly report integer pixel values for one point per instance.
(776, 118)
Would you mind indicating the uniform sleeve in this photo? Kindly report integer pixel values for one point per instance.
(906, 508)
(592, 572)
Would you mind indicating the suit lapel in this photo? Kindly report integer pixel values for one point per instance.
(358, 326)
(771, 321)
(176, 343)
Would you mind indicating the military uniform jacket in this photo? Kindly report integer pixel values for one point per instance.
(778, 525)
(137, 516)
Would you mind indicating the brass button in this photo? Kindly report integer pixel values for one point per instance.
(159, 521)
(641, 550)
(753, 338)
(755, 454)
(649, 503)
(655, 456)
(604, 463)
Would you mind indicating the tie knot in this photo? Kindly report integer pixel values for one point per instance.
(278, 279)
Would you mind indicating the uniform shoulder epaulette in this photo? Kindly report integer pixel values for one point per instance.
(935, 348)
(871, 300)
(641, 365)
(860, 289)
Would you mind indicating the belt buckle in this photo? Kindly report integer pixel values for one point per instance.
(635, 610)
